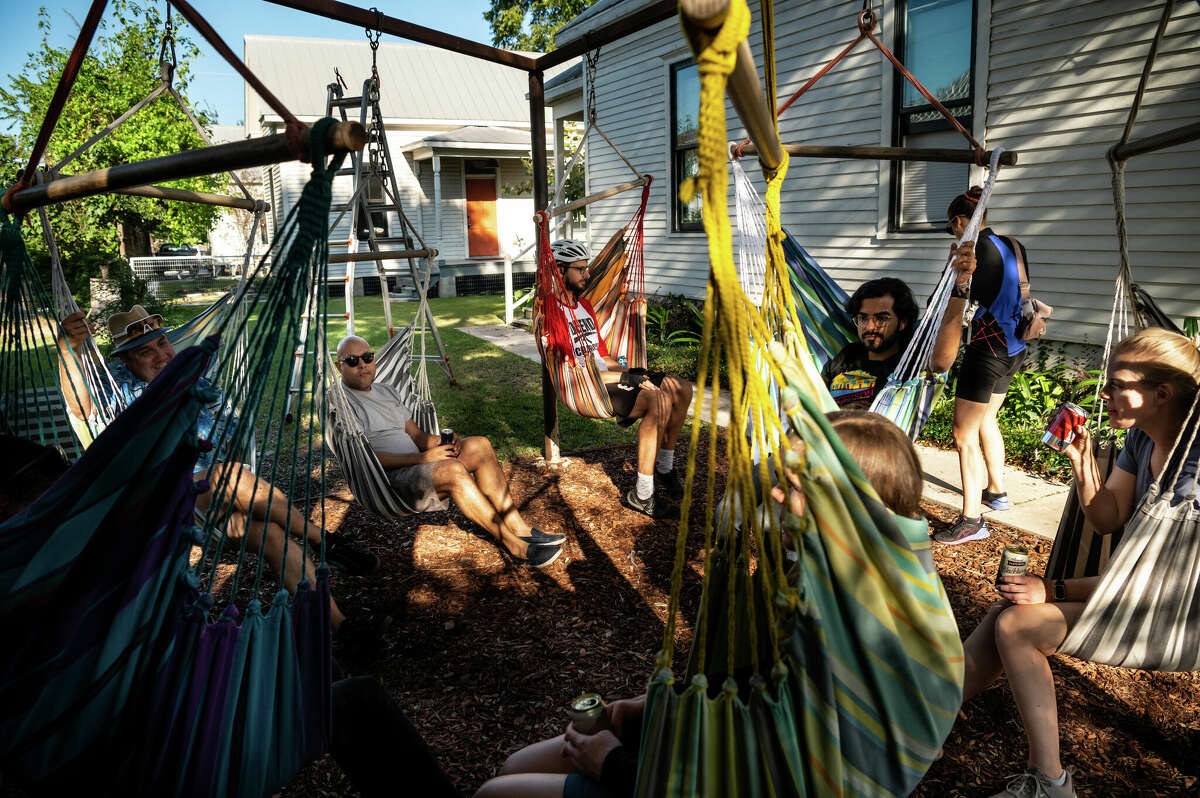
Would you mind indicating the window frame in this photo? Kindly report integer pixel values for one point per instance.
(676, 153)
(900, 114)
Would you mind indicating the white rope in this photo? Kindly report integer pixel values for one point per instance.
(752, 234)
(916, 355)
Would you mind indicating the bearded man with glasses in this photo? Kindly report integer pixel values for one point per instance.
(884, 313)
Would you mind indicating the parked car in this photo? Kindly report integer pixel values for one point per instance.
(177, 250)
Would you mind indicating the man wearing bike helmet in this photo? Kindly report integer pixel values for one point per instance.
(660, 402)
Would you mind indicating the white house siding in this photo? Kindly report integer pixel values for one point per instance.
(1060, 77)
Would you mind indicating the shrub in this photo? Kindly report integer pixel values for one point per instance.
(1032, 398)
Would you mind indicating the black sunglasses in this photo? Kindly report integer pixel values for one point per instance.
(950, 226)
(352, 360)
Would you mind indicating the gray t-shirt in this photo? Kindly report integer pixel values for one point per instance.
(383, 418)
(1135, 459)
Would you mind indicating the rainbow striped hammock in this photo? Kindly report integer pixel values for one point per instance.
(617, 293)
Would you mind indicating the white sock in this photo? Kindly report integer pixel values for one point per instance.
(1060, 781)
(665, 460)
(645, 486)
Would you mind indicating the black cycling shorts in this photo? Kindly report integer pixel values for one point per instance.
(623, 397)
(983, 375)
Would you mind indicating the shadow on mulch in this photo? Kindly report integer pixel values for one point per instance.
(483, 655)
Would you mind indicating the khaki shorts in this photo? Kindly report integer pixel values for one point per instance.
(414, 485)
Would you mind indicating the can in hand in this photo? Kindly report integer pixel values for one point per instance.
(447, 436)
(587, 713)
(1014, 561)
(1061, 430)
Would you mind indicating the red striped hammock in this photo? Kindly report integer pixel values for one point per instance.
(617, 293)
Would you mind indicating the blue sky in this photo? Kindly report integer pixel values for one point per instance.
(215, 84)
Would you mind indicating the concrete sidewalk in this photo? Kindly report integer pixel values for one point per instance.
(1037, 504)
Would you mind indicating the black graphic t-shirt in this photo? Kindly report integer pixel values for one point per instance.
(853, 378)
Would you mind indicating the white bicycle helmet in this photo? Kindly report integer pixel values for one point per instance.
(568, 250)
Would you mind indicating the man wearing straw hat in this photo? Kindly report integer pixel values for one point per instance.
(142, 351)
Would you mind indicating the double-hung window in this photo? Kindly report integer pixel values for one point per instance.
(936, 41)
(685, 162)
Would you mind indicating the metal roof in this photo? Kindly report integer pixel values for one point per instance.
(473, 137)
(418, 82)
(564, 84)
(594, 16)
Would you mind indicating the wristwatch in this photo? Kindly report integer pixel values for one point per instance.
(1060, 590)
(961, 292)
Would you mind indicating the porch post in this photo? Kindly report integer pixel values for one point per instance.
(437, 197)
(541, 198)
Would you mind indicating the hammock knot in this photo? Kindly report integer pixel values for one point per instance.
(729, 687)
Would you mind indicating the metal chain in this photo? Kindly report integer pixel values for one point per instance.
(593, 60)
(373, 35)
(168, 40)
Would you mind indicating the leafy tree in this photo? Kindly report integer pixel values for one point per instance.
(530, 24)
(122, 67)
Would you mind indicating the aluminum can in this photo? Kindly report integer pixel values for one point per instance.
(1061, 430)
(587, 713)
(447, 436)
(1014, 561)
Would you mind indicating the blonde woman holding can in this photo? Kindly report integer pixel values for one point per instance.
(1150, 386)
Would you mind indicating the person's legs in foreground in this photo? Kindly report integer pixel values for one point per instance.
(536, 771)
(1018, 640)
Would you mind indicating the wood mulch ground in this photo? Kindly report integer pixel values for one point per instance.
(484, 655)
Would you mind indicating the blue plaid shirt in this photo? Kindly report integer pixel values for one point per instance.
(131, 387)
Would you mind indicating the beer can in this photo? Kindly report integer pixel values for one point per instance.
(1014, 561)
(447, 436)
(1061, 430)
(587, 713)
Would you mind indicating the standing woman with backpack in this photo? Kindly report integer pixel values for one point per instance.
(992, 273)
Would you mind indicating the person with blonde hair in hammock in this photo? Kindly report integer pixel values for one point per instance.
(658, 401)
(604, 764)
(1151, 384)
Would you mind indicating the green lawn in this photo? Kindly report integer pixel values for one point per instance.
(497, 394)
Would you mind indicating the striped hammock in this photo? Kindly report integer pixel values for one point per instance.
(348, 441)
(617, 293)
(843, 674)
(1145, 611)
(820, 301)
(123, 679)
(911, 390)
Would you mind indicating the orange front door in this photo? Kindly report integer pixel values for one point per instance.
(482, 238)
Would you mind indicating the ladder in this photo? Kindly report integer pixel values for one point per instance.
(375, 193)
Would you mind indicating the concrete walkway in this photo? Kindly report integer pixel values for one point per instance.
(1037, 504)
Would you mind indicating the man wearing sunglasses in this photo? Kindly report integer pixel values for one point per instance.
(426, 473)
(884, 313)
(142, 349)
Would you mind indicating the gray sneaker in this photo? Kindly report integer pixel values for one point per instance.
(648, 506)
(964, 529)
(1034, 784)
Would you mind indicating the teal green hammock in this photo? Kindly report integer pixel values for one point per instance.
(845, 683)
(122, 677)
